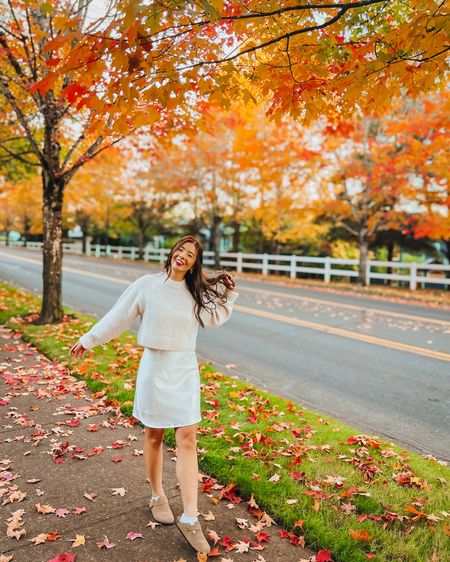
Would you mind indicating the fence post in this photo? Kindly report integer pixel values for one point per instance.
(133, 253)
(161, 255)
(97, 251)
(239, 262)
(265, 263)
(120, 253)
(108, 250)
(293, 272)
(146, 253)
(327, 270)
(413, 276)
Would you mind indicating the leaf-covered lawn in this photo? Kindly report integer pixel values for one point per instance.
(330, 486)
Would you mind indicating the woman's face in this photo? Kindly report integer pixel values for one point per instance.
(184, 257)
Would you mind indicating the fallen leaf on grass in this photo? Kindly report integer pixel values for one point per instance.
(290, 502)
(359, 535)
(274, 478)
(324, 556)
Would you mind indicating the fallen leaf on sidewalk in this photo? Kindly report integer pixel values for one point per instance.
(209, 516)
(213, 536)
(152, 524)
(119, 492)
(4, 558)
(44, 508)
(132, 535)
(79, 540)
(64, 557)
(105, 543)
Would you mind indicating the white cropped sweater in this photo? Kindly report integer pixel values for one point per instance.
(166, 311)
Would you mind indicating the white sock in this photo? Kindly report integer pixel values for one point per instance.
(186, 519)
(155, 497)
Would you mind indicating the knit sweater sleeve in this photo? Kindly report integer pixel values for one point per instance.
(120, 317)
(221, 313)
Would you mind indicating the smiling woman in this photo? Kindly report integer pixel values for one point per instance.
(171, 304)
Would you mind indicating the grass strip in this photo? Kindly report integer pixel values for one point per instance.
(356, 495)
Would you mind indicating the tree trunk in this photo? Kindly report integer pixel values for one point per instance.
(390, 249)
(141, 242)
(52, 311)
(236, 236)
(363, 257)
(7, 237)
(214, 243)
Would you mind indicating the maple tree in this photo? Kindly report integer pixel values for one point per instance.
(309, 58)
(45, 123)
(389, 173)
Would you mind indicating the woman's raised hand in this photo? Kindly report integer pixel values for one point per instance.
(229, 281)
(77, 350)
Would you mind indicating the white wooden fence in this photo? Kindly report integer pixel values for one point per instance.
(412, 273)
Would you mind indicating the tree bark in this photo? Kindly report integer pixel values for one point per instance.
(52, 311)
(363, 257)
(214, 243)
(236, 236)
(390, 248)
(141, 238)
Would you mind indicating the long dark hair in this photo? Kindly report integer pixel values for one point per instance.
(206, 291)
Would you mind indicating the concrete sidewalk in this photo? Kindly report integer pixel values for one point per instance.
(71, 464)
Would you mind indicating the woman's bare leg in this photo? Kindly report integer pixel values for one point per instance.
(153, 458)
(187, 467)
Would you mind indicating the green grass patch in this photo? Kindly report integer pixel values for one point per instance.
(358, 496)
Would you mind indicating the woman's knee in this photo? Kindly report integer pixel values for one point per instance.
(186, 437)
(154, 436)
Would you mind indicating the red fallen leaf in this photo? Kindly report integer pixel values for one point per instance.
(213, 552)
(324, 556)
(299, 523)
(117, 445)
(283, 534)
(59, 460)
(92, 427)
(73, 423)
(262, 536)
(79, 510)
(227, 542)
(53, 536)
(368, 555)
(298, 475)
(64, 557)
(95, 451)
(117, 459)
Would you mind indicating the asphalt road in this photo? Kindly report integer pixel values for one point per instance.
(383, 367)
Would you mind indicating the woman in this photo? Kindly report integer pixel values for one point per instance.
(171, 305)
